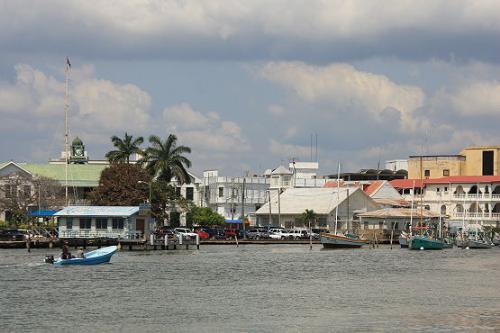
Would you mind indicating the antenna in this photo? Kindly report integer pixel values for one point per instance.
(316, 147)
(311, 147)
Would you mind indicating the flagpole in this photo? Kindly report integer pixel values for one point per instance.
(67, 67)
(338, 199)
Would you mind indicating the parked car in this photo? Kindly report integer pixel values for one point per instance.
(230, 233)
(279, 234)
(202, 233)
(298, 234)
(258, 233)
(12, 235)
(216, 233)
(184, 232)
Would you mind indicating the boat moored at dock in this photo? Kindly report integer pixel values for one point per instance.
(422, 242)
(340, 241)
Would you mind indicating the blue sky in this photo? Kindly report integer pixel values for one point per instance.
(246, 83)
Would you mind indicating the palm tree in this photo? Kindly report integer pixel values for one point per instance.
(126, 147)
(164, 159)
(308, 216)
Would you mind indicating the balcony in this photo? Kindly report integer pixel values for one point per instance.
(477, 216)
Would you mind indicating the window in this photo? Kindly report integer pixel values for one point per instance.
(365, 225)
(381, 225)
(446, 172)
(27, 191)
(178, 190)
(6, 190)
(118, 223)
(101, 223)
(85, 223)
(427, 173)
(446, 188)
(69, 223)
(437, 189)
(189, 193)
(221, 192)
(10, 191)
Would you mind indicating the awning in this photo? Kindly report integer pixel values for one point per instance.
(232, 221)
(43, 213)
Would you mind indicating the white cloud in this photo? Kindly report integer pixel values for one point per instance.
(204, 131)
(98, 108)
(479, 98)
(289, 151)
(345, 87)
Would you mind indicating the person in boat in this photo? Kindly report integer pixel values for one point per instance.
(65, 252)
(80, 253)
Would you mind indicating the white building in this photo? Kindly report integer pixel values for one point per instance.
(127, 222)
(287, 208)
(463, 199)
(396, 165)
(233, 196)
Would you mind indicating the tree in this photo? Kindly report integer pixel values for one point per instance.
(204, 216)
(164, 160)
(165, 199)
(125, 147)
(308, 216)
(122, 185)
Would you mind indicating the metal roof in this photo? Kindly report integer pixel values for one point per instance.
(122, 211)
(295, 201)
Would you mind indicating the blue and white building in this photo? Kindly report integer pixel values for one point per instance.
(128, 222)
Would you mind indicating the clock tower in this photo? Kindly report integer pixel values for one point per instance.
(78, 155)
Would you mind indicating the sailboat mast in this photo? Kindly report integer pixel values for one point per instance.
(67, 67)
(421, 193)
(338, 199)
(411, 212)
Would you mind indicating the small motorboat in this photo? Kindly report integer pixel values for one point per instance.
(99, 256)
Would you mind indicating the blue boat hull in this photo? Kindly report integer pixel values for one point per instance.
(99, 256)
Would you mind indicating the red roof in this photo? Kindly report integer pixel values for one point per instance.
(374, 187)
(333, 183)
(406, 183)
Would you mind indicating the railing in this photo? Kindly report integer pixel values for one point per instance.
(98, 234)
(477, 216)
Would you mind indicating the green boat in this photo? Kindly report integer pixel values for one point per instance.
(425, 243)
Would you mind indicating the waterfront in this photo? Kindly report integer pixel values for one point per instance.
(255, 288)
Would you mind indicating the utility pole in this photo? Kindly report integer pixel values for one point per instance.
(243, 207)
(279, 206)
(270, 214)
(67, 67)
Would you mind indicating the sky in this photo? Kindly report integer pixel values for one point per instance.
(247, 84)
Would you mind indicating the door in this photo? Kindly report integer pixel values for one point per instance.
(139, 225)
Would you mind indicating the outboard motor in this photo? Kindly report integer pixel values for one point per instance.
(49, 259)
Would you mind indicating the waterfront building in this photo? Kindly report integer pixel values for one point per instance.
(233, 196)
(286, 209)
(469, 199)
(126, 222)
(385, 221)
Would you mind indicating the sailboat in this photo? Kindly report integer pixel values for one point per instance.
(424, 242)
(404, 237)
(346, 240)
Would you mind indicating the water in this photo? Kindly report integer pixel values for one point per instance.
(275, 288)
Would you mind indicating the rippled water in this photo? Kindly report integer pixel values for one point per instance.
(255, 288)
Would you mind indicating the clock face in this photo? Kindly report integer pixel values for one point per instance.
(79, 152)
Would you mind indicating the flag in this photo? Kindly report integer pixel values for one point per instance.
(67, 62)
